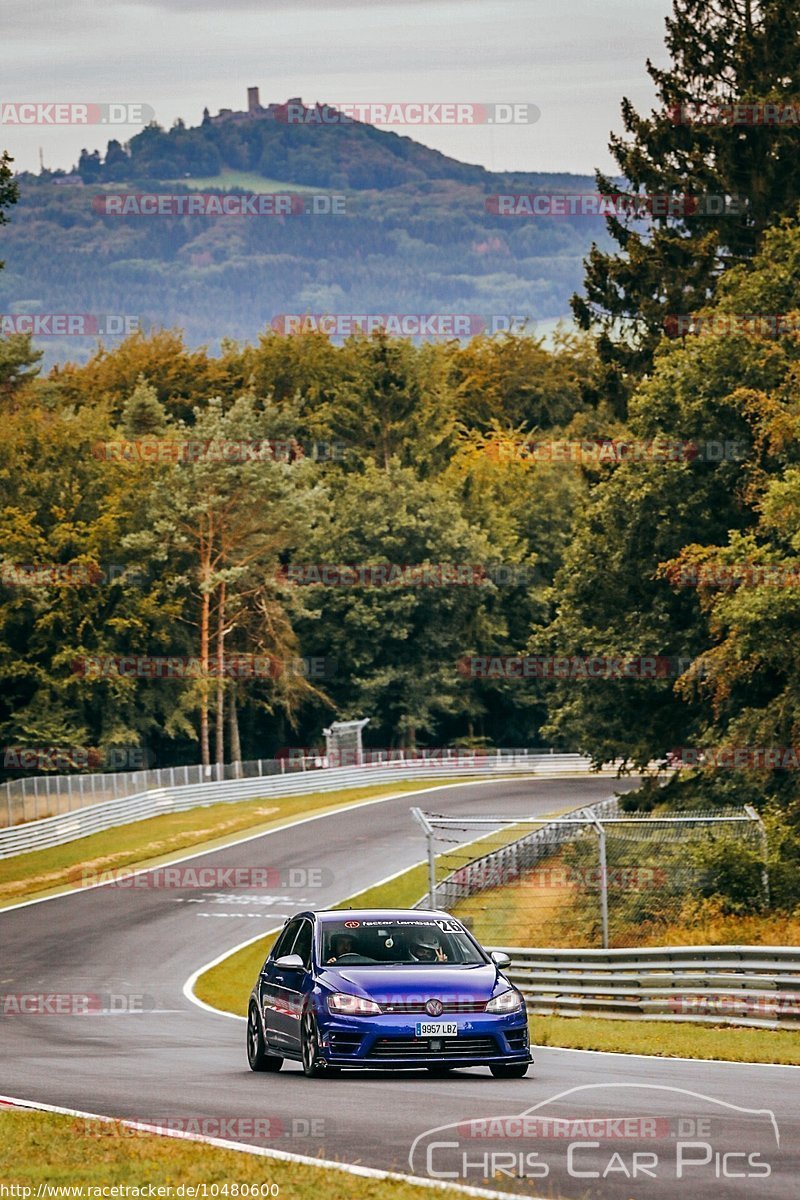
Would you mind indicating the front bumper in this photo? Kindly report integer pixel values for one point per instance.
(390, 1040)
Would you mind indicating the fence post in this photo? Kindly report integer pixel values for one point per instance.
(601, 847)
(762, 837)
(421, 819)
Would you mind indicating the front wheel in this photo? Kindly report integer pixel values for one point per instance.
(509, 1070)
(314, 1064)
(257, 1056)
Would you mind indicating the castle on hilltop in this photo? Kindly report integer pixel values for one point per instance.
(254, 111)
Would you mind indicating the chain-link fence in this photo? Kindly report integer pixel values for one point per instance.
(594, 877)
(39, 796)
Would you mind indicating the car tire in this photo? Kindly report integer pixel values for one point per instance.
(314, 1064)
(257, 1056)
(509, 1070)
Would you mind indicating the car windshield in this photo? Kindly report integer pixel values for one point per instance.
(351, 942)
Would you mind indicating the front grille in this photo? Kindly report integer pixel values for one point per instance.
(457, 1047)
(345, 1043)
(517, 1039)
(450, 1006)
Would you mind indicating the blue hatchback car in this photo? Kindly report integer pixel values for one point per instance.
(385, 988)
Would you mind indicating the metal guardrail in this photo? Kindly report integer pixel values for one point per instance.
(38, 796)
(66, 827)
(731, 985)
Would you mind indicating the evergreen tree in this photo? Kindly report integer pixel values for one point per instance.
(684, 160)
(9, 192)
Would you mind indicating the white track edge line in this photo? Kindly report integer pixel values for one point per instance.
(332, 811)
(667, 1058)
(266, 1152)
(188, 987)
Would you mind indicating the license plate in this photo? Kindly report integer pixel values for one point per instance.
(437, 1029)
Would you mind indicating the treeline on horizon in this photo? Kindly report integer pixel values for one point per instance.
(401, 251)
(687, 558)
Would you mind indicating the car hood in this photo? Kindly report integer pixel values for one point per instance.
(411, 983)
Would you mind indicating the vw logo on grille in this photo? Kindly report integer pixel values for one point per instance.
(434, 1008)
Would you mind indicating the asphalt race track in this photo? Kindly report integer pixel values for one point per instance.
(174, 1060)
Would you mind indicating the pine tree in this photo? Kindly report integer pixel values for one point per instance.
(9, 193)
(730, 172)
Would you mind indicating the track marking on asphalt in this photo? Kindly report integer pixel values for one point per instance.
(266, 1152)
(666, 1058)
(188, 987)
(198, 852)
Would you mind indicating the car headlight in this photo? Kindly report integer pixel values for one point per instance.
(506, 1002)
(352, 1006)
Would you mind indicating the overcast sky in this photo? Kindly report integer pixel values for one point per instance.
(574, 59)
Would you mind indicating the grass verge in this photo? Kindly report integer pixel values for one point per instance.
(53, 1149)
(667, 1040)
(151, 842)
(227, 986)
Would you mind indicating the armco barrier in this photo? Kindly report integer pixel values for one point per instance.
(56, 830)
(730, 985)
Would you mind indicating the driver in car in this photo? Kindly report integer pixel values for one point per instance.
(425, 947)
(341, 943)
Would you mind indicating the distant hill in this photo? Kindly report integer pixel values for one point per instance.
(415, 236)
(346, 156)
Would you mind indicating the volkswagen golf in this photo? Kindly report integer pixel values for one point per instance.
(386, 989)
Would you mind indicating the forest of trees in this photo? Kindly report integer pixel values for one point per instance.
(628, 494)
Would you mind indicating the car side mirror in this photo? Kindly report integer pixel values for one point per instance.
(500, 958)
(290, 962)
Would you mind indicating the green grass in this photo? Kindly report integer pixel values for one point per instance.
(669, 1040)
(227, 986)
(50, 1148)
(151, 842)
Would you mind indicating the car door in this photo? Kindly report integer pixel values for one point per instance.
(271, 987)
(296, 985)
